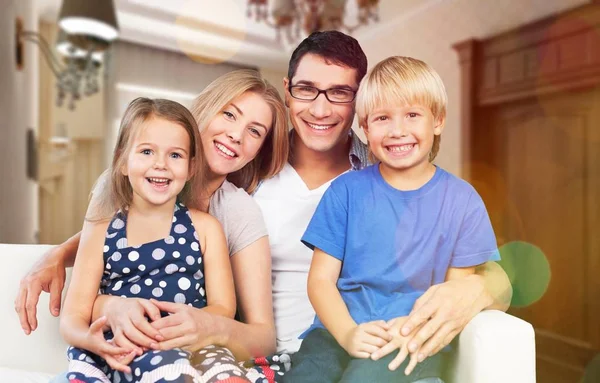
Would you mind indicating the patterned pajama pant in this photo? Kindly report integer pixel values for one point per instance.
(211, 364)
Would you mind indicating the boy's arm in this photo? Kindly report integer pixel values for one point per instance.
(325, 297)
(360, 341)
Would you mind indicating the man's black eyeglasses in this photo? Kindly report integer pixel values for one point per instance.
(310, 93)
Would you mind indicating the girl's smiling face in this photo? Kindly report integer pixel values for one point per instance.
(158, 162)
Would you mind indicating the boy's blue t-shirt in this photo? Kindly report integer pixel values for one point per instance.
(395, 244)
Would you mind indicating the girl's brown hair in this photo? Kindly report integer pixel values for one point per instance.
(117, 192)
(273, 154)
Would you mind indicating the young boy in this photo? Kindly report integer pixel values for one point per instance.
(383, 235)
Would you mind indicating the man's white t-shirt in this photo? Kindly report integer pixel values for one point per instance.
(288, 205)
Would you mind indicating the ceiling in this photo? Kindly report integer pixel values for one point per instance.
(221, 29)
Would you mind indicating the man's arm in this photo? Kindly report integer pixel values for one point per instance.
(448, 307)
(48, 274)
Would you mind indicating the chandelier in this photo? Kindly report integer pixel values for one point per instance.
(296, 17)
(87, 29)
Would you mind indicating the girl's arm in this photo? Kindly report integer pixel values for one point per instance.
(218, 278)
(85, 281)
(75, 320)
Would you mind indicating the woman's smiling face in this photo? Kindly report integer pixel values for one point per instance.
(235, 135)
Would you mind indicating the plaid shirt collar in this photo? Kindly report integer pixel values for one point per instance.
(359, 153)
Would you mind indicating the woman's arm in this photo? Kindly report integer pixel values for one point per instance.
(48, 274)
(218, 278)
(255, 337)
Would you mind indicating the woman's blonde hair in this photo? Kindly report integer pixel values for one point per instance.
(273, 154)
(402, 80)
(117, 194)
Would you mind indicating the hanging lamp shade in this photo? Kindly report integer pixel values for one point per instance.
(96, 19)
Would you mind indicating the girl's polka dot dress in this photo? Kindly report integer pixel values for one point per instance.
(169, 269)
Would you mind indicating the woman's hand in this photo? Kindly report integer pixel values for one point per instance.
(48, 274)
(128, 320)
(117, 357)
(187, 327)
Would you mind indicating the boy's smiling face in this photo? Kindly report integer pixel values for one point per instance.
(401, 137)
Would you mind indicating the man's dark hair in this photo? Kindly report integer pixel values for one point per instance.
(335, 47)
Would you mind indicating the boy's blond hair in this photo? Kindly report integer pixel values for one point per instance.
(402, 80)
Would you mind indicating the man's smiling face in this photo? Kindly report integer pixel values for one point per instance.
(321, 124)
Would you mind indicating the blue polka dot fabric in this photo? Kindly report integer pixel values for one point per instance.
(170, 269)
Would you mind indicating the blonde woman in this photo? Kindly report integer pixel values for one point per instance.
(244, 138)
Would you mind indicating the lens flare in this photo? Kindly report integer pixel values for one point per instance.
(206, 41)
(528, 271)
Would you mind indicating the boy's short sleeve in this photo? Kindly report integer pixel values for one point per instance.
(327, 228)
(476, 243)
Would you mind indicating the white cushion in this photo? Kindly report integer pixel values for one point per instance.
(44, 350)
(20, 376)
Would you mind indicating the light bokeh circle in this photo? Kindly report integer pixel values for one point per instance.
(210, 32)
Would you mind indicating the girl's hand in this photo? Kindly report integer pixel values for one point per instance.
(400, 342)
(187, 327)
(366, 338)
(127, 320)
(117, 357)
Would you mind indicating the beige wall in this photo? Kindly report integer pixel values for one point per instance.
(18, 111)
(275, 77)
(428, 33)
(67, 170)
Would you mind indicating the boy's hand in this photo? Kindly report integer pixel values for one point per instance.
(399, 342)
(117, 357)
(366, 338)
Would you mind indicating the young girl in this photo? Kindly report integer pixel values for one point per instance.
(149, 246)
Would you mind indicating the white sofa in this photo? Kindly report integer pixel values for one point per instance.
(494, 348)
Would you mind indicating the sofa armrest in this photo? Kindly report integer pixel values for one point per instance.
(494, 347)
(44, 350)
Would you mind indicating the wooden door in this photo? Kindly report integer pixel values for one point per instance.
(545, 171)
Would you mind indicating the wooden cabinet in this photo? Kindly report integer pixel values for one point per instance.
(531, 114)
